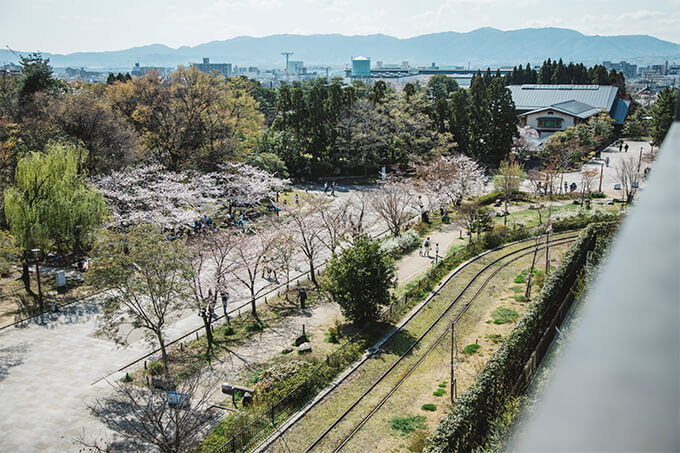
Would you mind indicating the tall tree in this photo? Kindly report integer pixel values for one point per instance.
(459, 123)
(662, 114)
(502, 122)
(51, 205)
(149, 280)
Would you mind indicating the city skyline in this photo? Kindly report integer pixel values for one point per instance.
(82, 26)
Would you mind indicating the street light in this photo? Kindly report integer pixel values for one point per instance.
(36, 255)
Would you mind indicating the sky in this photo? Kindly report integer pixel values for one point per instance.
(65, 26)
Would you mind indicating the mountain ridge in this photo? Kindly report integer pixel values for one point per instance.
(479, 48)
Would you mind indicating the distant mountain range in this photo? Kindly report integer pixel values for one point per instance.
(479, 48)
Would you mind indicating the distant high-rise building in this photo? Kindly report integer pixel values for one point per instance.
(214, 68)
(630, 71)
(296, 67)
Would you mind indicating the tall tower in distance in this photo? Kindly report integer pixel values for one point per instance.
(287, 55)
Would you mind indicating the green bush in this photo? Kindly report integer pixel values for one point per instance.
(502, 315)
(439, 392)
(520, 298)
(429, 407)
(495, 337)
(155, 368)
(598, 195)
(406, 425)
(471, 348)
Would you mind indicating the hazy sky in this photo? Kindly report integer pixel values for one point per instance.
(64, 26)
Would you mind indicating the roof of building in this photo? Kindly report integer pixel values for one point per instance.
(536, 97)
(619, 111)
(572, 107)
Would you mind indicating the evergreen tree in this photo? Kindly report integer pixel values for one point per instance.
(502, 122)
(662, 114)
(479, 118)
(359, 279)
(459, 122)
(545, 74)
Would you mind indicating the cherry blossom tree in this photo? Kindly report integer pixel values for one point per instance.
(334, 220)
(309, 229)
(249, 256)
(394, 203)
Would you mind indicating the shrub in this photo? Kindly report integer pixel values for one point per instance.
(503, 315)
(495, 337)
(520, 298)
(439, 392)
(227, 331)
(127, 378)
(598, 195)
(418, 441)
(396, 246)
(155, 368)
(406, 425)
(429, 407)
(471, 348)
(277, 381)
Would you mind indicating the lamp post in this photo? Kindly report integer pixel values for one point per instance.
(36, 255)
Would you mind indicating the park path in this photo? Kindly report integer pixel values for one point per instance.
(51, 367)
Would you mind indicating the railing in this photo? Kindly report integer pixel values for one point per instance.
(620, 370)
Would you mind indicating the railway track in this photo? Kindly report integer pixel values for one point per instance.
(516, 255)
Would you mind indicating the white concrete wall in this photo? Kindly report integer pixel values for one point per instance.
(532, 120)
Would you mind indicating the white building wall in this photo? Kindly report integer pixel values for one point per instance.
(532, 121)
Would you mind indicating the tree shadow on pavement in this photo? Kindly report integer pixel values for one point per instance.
(11, 357)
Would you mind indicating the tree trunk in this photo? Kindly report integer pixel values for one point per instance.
(164, 354)
(26, 278)
(312, 275)
(208, 331)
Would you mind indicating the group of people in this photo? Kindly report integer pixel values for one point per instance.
(235, 219)
(211, 303)
(327, 187)
(203, 225)
(427, 247)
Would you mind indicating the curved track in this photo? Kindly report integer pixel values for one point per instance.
(364, 419)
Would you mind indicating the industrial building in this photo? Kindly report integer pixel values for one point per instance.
(214, 68)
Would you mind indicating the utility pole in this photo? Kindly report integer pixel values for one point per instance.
(547, 248)
(640, 160)
(453, 377)
(287, 55)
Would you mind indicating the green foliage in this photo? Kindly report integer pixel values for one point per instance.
(229, 426)
(127, 378)
(636, 125)
(495, 337)
(50, 203)
(471, 348)
(8, 253)
(503, 315)
(439, 392)
(36, 77)
(155, 368)
(520, 298)
(598, 195)
(359, 279)
(662, 114)
(228, 331)
(406, 425)
(429, 407)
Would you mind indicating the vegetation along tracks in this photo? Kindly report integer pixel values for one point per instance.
(283, 428)
(365, 419)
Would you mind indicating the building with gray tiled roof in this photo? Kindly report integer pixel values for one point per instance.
(552, 108)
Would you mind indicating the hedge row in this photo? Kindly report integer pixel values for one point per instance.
(467, 426)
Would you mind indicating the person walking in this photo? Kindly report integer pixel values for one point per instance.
(620, 146)
(297, 199)
(427, 247)
(607, 161)
(625, 148)
(302, 297)
(436, 252)
(224, 295)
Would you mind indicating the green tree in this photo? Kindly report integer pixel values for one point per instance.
(36, 77)
(662, 115)
(508, 178)
(149, 279)
(479, 118)
(359, 279)
(502, 127)
(459, 123)
(636, 125)
(50, 204)
(440, 86)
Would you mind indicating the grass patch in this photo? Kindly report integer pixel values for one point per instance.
(442, 385)
(517, 289)
(471, 348)
(495, 337)
(429, 407)
(503, 315)
(520, 298)
(406, 425)
(439, 392)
